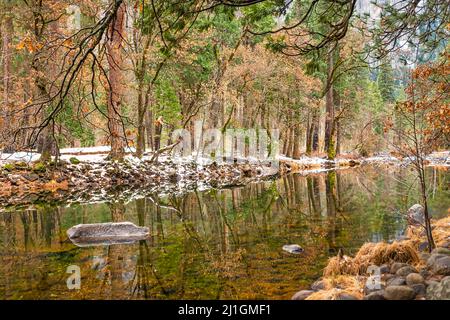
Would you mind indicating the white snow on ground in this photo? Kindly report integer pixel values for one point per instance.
(94, 158)
(304, 160)
(441, 158)
(88, 150)
(99, 149)
(99, 153)
(19, 156)
(383, 158)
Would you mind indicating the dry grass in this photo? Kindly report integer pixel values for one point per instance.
(337, 286)
(372, 254)
(339, 266)
(346, 275)
(382, 253)
(441, 232)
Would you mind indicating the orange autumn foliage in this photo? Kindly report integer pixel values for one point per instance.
(428, 98)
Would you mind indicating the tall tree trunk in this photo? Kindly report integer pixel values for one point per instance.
(140, 143)
(114, 47)
(143, 98)
(7, 32)
(46, 144)
(337, 122)
(329, 108)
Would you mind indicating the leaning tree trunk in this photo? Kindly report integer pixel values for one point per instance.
(114, 46)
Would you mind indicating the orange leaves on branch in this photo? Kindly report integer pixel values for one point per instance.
(29, 44)
(428, 97)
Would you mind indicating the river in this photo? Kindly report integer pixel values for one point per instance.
(214, 244)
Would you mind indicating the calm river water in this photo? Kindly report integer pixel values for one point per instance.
(216, 244)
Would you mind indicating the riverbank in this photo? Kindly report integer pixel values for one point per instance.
(85, 175)
(440, 158)
(79, 181)
(402, 270)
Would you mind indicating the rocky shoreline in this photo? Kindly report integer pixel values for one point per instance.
(72, 181)
(398, 271)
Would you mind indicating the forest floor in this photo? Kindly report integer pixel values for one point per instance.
(85, 175)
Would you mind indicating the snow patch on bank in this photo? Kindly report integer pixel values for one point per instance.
(304, 160)
(98, 154)
(19, 157)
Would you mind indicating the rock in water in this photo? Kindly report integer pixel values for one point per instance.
(97, 234)
(415, 215)
(293, 248)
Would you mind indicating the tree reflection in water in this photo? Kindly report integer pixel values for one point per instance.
(223, 244)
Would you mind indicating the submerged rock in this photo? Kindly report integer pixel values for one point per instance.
(106, 233)
(293, 248)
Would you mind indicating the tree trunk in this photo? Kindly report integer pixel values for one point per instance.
(149, 128)
(338, 137)
(315, 131)
(309, 134)
(337, 123)
(46, 144)
(423, 191)
(140, 143)
(114, 47)
(143, 98)
(7, 32)
(289, 143)
(329, 106)
(158, 132)
(296, 152)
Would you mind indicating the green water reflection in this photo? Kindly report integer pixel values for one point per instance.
(217, 244)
